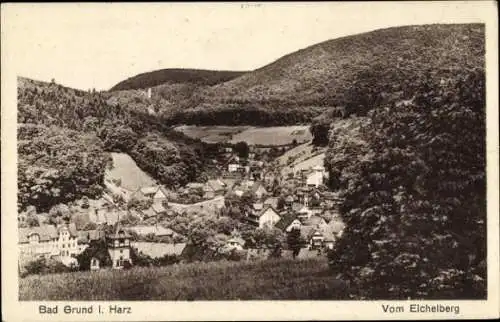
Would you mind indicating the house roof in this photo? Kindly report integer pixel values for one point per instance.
(266, 209)
(297, 206)
(304, 209)
(194, 185)
(289, 198)
(314, 220)
(285, 222)
(157, 230)
(86, 236)
(238, 240)
(336, 226)
(258, 206)
(158, 207)
(46, 233)
(256, 186)
(318, 168)
(149, 212)
(119, 232)
(157, 250)
(271, 201)
(149, 190)
(71, 229)
(216, 184)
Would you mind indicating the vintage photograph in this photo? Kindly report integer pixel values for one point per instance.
(177, 156)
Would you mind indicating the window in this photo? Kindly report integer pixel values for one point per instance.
(121, 251)
(117, 262)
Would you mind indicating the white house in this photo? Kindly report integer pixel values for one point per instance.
(315, 178)
(268, 217)
(47, 241)
(233, 167)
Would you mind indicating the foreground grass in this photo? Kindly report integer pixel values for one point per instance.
(264, 280)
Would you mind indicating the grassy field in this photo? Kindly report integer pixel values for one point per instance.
(283, 279)
(273, 135)
(211, 134)
(131, 176)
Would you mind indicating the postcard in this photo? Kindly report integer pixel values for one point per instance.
(250, 161)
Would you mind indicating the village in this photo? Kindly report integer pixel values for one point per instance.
(134, 212)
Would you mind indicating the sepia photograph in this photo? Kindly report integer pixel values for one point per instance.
(324, 152)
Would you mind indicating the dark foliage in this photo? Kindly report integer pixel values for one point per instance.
(193, 76)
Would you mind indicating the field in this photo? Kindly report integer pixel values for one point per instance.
(211, 134)
(283, 279)
(274, 135)
(131, 176)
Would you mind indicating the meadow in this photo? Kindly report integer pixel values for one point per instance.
(275, 279)
(272, 135)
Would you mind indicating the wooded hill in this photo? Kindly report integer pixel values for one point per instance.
(356, 72)
(64, 135)
(412, 173)
(176, 76)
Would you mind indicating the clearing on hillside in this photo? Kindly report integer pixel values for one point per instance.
(211, 134)
(278, 279)
(269, 136)
(274, 135)
(126, 170)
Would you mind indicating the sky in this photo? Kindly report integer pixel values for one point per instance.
(98, 45)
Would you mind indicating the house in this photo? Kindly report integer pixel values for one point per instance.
(149, 192)
(160, 195)
(85, 237)
(267, 217)
(316, 177)
(158, 208)
(194, 187)
(233, 167)
(38, 241)
(49, 241)
(251, 155)
(314, 221)
(95, 264)
(214, 187)
(156, 230)
(289, 200)
(304, 212)
(258, 206)
(235, 243)
(271, 201)
(158, 250)
(119, 247)
(258, 190)
(287, 223)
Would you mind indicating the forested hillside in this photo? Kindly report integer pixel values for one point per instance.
(412, 174)
(355, 72)
(64, 136)
(176, 76)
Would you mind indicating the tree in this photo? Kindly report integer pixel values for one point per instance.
(242, 149)
(294, 241)
(320, 128)
(413, 182)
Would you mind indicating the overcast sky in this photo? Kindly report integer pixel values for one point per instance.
(97, 45)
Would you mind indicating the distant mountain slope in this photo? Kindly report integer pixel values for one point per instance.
(356, 72)
(176, 76)
(325, 74)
